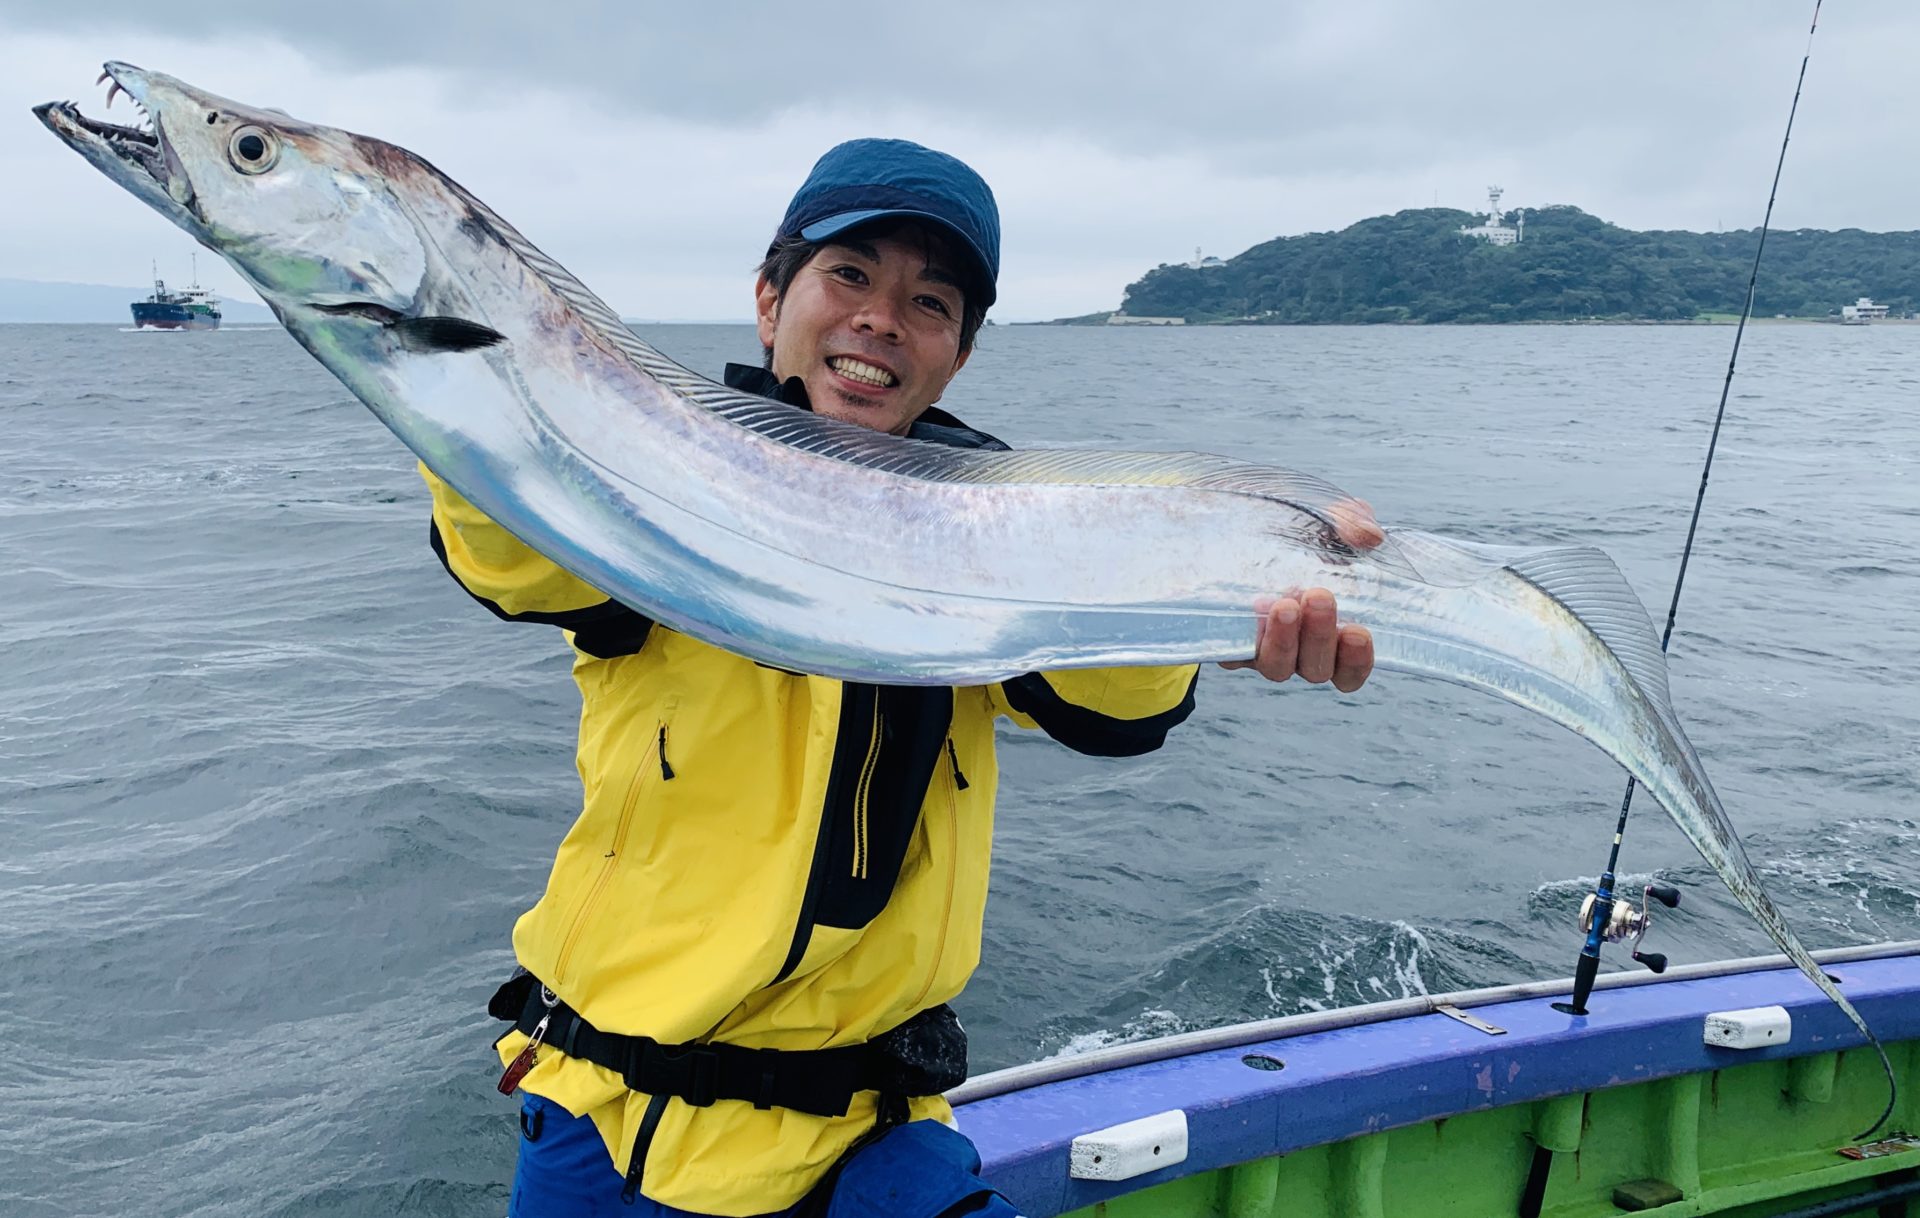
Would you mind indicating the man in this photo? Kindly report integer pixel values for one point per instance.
(734, 986)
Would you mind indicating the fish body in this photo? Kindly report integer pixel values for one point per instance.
(824, 547)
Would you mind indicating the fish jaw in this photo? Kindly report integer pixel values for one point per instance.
(301, 211)
(139, 160)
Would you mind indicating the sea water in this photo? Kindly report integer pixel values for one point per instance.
(273, 788)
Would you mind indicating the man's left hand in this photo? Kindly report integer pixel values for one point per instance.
(1302, 636)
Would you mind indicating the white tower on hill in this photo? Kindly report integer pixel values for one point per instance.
(1493, 231)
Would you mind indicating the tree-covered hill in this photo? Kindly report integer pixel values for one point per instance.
(1415, 266)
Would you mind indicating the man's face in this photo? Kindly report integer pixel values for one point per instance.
(872, 325)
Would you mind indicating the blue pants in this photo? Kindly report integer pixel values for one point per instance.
(920, 1170)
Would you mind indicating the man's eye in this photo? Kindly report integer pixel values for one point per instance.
(936, 304)
(851, 274)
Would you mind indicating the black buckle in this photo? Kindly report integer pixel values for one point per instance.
(691, 1072)
(703, 1077)
(769, 1063)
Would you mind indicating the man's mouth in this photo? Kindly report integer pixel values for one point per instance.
(863, 372)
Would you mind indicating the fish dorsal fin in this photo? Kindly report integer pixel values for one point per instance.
(1586, 581)
(1035, 466)
(591, 308)
(906, 458)
(1580, 577)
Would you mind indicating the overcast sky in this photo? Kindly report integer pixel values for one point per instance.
(652, 148)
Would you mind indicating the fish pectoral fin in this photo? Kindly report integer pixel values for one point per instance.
(445, 334)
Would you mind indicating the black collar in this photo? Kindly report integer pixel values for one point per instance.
(934, 424)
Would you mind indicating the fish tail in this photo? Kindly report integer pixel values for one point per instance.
(1627, 713)
(1694, 806)
(1657, 752)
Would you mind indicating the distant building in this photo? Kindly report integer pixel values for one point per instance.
(1493, 231)
(1862, 311)
(1206, 263)
(1121, 319)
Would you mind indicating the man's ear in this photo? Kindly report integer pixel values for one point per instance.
(766, 309)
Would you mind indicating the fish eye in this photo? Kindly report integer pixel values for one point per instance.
(252, 149)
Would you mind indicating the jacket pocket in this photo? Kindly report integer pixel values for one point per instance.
(653, 768)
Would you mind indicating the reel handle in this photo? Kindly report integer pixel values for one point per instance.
(1666, 894)
(1655, 961)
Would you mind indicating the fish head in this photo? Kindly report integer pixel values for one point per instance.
(308, 214)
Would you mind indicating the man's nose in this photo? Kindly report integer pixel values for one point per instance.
(879, 318)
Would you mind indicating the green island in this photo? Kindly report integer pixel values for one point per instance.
(1426, 266)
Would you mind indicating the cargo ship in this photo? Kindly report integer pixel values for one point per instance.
(192, 308)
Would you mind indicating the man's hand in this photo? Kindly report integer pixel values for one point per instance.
(1303, 636)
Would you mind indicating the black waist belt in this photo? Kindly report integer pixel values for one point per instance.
(924, 1056)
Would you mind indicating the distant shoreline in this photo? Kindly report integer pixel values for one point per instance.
(1583, 321)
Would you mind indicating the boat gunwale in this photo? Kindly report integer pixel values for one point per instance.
(1233, 1036)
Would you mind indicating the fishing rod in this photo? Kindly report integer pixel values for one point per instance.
(1604, 917)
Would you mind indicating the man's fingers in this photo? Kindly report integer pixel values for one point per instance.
(1353, 521)
(1319, 635)
(1355, 660)
(1304, 637)
(1280, 640)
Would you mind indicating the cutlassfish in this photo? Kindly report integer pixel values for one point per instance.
(827, 548)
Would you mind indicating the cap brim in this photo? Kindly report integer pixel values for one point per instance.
(833, 226)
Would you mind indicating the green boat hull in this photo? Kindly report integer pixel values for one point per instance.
(1756, 1141)
(1489, 1103)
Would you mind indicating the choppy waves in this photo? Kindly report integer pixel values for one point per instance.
(273, 790)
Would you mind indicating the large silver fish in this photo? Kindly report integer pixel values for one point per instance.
(828, 548)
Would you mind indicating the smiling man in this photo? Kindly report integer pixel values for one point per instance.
(874, 325)
(732, 994)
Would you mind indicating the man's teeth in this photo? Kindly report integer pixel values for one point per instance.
(860, 370)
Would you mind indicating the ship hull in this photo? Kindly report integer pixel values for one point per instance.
(150, 316)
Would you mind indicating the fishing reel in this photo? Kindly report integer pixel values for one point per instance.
(1625, 921)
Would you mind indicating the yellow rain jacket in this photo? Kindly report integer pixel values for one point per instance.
(763, 858)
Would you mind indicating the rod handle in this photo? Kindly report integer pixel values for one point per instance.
(1584, 971)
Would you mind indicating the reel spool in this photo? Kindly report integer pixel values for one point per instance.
(1627, 922)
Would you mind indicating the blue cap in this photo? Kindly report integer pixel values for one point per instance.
(863, 180)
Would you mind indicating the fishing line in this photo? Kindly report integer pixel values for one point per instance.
(1600, 908)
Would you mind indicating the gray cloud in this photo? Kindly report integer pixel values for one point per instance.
(657, 145)
(1259, 87)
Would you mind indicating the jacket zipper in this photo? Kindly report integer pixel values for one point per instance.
(860, 797)
(612, 858)
(960, 782)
